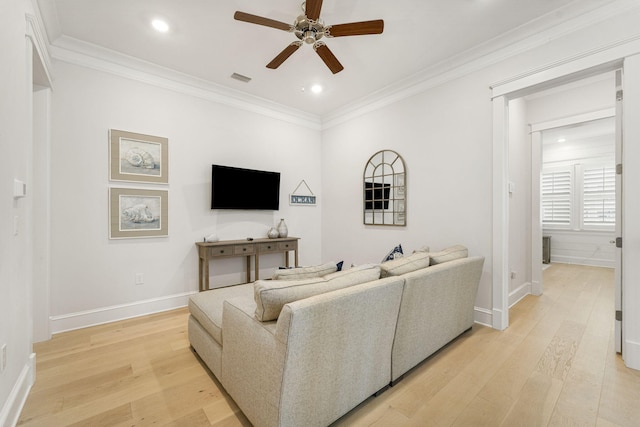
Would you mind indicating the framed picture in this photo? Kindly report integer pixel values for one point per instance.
(137, 212)
(138, 158)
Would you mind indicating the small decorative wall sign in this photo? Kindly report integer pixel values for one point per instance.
(138, 158)
(135, 212)
(298, 199)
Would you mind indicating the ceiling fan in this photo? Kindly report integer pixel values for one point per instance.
(309, 28)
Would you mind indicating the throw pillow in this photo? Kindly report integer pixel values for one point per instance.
(397, 267)
(272, 295)
(305, 272)
(394, 253)
(449, 254)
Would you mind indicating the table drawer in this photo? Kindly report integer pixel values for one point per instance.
(243, 249)
(217, 251)
(268, 247)
(287, 246)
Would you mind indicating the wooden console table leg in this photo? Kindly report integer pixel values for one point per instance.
(205, 275)
(257, 267)
(249, 269)
(295, 253)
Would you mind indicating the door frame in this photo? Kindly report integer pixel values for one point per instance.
(502, 93)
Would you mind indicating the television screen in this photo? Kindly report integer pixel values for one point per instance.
(236, 188)
(376, 196)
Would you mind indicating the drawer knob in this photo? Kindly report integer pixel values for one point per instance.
(244, 249)
(222, 251)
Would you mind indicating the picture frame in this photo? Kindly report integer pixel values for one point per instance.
(138, 213)
(135, 157)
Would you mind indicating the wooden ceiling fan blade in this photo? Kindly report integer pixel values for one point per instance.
(282, 56)
(357, 28)
(328, 57)
(312, 9)
(254, 19)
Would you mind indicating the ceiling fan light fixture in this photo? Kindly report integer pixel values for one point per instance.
(317, 88)
(309, 37)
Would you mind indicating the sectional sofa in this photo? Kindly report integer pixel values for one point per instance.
(308, 346)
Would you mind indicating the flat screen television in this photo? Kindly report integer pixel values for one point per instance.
(237, 188)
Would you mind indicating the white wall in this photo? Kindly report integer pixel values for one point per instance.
(519, 202)
(91, 275)
(442, 135)
(15, 162)
(631, 218)
(445, 136)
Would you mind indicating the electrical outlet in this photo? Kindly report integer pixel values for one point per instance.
(3, 357)
(139, 280)
(513, 274)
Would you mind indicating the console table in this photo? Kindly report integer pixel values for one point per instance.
(243, 248)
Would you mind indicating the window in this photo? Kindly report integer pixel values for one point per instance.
(579, 197)
(599, 188)
(556, 197)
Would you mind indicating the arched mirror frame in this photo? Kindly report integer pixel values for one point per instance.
(384, 185)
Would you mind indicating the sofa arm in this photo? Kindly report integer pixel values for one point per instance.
(251, 364)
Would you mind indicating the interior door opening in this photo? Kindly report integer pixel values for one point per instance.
(574, 186)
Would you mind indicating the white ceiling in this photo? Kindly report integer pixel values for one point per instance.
(206, 42)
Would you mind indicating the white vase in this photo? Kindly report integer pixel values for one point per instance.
(283, 231)
(273, 233)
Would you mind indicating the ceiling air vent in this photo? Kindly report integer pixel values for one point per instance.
(241, 77)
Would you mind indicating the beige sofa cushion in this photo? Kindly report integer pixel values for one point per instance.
(272, 295)
(206, 307)
(305, 272)
(448, 254)
(403, 265)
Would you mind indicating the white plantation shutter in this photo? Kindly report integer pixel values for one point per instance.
(599, 192)
(556, 197)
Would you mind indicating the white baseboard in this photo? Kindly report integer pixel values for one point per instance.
(516, 295)
(483, 316)
(592, 262)
(83, 319)
(12, 408)
(631, 354)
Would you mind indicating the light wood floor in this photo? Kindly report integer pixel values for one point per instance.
(555, 365)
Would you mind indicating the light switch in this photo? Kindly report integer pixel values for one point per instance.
(19, 189)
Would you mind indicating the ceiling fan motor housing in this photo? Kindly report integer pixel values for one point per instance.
(307, 30)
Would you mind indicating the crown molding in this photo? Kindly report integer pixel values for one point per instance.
(527, 37)
(522, 39)
(77, 52)
(38, 40)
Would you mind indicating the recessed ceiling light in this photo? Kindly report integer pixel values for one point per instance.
(562, 140)
(160, 25)
(316, 88)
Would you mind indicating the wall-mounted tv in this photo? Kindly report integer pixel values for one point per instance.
(237, 188)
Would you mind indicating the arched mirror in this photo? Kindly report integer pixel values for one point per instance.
(384, 188)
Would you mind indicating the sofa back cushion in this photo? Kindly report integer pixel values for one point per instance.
(305, 272)
(272, 295)
(448, 254)
(403, 265)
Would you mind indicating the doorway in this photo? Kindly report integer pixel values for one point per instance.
(514, 111)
